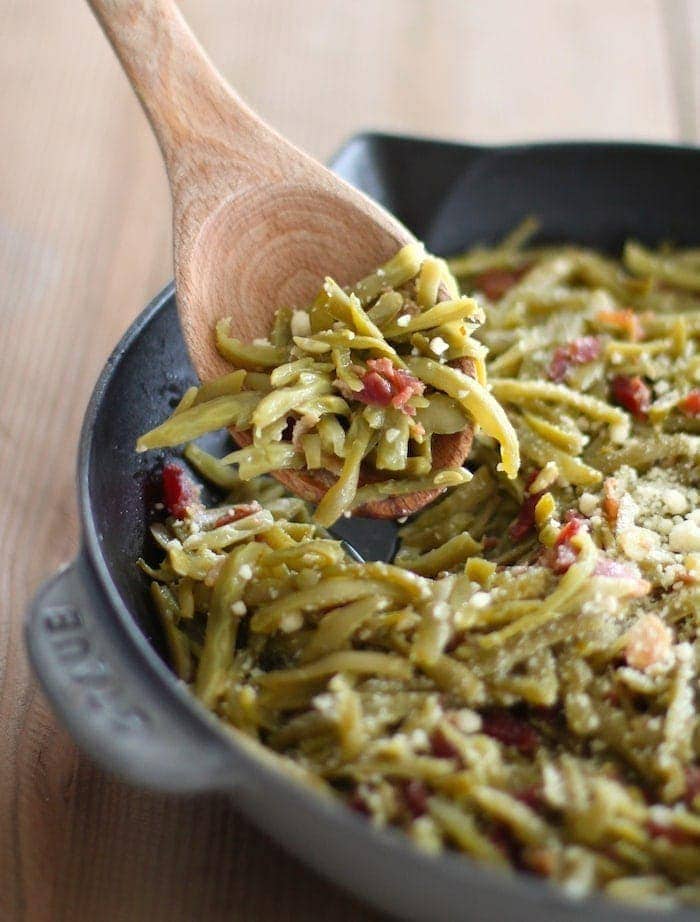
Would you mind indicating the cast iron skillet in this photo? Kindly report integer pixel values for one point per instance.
(92, 638)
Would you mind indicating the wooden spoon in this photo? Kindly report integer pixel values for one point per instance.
(257, 224)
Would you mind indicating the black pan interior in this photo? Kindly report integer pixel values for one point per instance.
(451, 196)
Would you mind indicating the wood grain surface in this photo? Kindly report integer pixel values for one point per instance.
(85, 242)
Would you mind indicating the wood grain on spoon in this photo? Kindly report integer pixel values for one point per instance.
(257, 224)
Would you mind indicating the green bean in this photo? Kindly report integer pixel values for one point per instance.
(211, 468)
(236, 410)
(340, 496)
(247, 355)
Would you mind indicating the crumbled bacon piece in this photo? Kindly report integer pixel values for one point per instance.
(525, 521)
(562, 554)
(359, 804)
(574, 524)
(383, 384)
(624, 320)
(674, 835)
(530, 796)
(237, 512)
(179, 490)
(502, 838)
(441, 747)
(550, 715)
(632, 394)
(559, 558)
(415, 795)
(690, 405)
(496, 282)
(511, 731)
(648, 642)
(611, 504)
(617, 569)
(577, 352)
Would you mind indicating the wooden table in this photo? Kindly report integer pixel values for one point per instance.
(85, 242)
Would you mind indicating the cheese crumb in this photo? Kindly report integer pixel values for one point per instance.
(300, 323)
(637, 543)
(438, 345)
(238, 608)
(620, 432)
(674, 501)
(467, 721)
(403, 320)
(245, 571)
(291, 622)
(588, 503)
(441, 611)
(685, 537)
(480, 600)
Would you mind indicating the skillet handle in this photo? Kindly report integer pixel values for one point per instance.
(128, 720)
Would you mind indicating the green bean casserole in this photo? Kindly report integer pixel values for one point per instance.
(521, 683)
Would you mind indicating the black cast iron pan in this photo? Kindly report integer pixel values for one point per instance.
(92, 637)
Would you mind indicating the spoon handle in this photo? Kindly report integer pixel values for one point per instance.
(188, 103)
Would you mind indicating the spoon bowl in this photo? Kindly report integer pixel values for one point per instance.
(268, 248)
(257, 224)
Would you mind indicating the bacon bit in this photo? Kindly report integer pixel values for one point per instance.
(525, 521)
(415, 795)
(611, 504)
(455, 641)
(551, 715)
(385, 384)
(359, 804)
(179, 490)
(496, 282)
(526, 517)
(632, 394)
(692, 784)
(616, 569)
(648, 642)
(577, 352)
(531, 796)
(559, 558)
(237, 512)
(502, 838)
(624, 320)
(674, 835)
(506, 842)
(441, 747)
(690, 404)
(562, 555)
(573, 525)
(511, 731)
